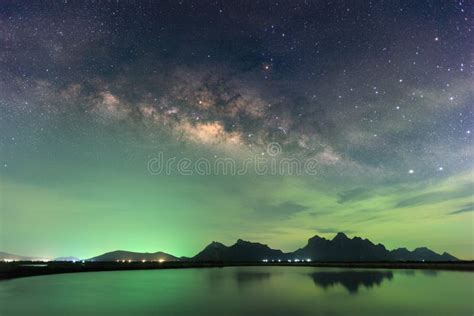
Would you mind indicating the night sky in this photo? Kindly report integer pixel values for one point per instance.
(379, 94)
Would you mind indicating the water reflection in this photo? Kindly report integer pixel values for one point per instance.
(431, 273)
(220, 277)
(350, 280)
(407, 272)
(243, 277)
(235, 291)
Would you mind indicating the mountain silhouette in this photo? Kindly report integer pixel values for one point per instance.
(240, 251)
(420, 254)
(341, 248)
(318, 249)
(121, 255)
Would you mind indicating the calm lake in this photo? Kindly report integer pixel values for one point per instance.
(242, 291)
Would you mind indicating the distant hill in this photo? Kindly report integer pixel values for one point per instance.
(134, 256)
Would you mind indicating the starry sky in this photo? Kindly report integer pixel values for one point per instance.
(377, 94)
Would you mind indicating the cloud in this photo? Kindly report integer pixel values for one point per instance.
(436, 197)
(467, 208)
(283, 210)
(317, 213)
(352, 195)
(332, 230)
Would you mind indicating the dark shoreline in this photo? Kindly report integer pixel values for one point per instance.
(10, 270)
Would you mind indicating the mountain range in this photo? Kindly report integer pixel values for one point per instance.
(318, 249)
(340, 249)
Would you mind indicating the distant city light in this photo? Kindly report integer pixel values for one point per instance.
(143, 261)
(308, 260)
(161, 260)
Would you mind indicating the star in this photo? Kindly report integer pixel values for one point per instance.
(266, 67)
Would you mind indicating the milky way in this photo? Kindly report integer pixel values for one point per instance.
(379, 94)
